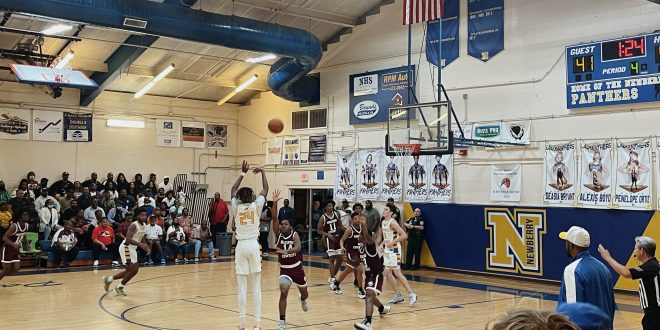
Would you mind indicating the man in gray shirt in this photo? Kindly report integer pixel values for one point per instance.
(373, 217)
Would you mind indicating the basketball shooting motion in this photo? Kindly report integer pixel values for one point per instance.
(247, 210)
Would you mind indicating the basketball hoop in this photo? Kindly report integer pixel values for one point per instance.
(406, 149)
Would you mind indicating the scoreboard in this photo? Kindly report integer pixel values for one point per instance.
(610, 72)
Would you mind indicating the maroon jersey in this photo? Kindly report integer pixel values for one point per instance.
(373, 262)
(286, 243)
(353, 243)
(331, 224)
(9, 254)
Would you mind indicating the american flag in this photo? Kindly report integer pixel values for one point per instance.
(415, 11)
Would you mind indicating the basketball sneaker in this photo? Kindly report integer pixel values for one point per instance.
(362, 325)
(386, 310)
(303, 303)
(412, 298)
(107, 280)
(96, 264)
(119, 291)
(281, 325)
(396, 299)
(196, 260)
(361, 294)
(335, 287)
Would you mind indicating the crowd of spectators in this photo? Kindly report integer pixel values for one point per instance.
(95, 215)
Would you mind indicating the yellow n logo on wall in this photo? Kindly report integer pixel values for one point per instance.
(515, 240)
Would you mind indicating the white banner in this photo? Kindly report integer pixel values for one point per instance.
(192, 134)
(442, 170)
(391, 182)
(369, 177)
(274, 151)
(560, 176)
(168, 133)
(505, 183)
(596, 174)
(345, 182)
(216, 136)
(47, 126)
(291, 151)
(15, 124)
(633, 175)
(417, 172)
(513, 132)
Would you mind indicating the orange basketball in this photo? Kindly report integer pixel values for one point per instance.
(276, 125)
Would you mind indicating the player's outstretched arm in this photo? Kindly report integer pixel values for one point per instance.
(264, 181)
(244, 168)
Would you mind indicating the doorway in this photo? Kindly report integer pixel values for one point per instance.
(301, 202)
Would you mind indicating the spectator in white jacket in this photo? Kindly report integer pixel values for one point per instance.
(49, 219)
(40, 201)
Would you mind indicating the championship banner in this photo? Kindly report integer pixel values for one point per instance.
(15, 124)
(560, 176)
(633, 175)
(77, 127)
(317, 149)
(442, 170)
(168, 133)
(291, 151)
(485, 28)
(192, 134)
(216, 136)
(596, 174)
(47, 126)
(450, 46)
(369, 176)
(417, 174)
(345, 183)
(274, 151)
(392, 175)
(505, 183)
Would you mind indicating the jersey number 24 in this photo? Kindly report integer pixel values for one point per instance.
(243, 218)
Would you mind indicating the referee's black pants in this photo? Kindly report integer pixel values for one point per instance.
(414, 250)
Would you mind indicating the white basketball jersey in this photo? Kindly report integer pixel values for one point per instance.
(140, 231)
(246, 217)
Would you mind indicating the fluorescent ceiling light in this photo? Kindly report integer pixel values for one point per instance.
(261, 58)
(57, 28)
(435, 122)
(246, 84)
(153, 82)
(64, 61)
(125, 123)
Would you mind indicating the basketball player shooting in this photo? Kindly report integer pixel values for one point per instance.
(289, 255)
(129, 254)
(246, 210)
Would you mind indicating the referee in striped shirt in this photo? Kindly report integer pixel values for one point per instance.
(648, 272)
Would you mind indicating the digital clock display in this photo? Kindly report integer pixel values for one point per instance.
(623, 48)
(582, 64)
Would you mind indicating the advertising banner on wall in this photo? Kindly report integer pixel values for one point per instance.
(216, 136)
(467, 134)
(274, 151)
(417, 174)
(317, 149)
(369, 174)
(345, 183)
(391, 183)
(373, 93)
(440, 178)
(596, 174)
(485, 28)
(192, 134)
(47, 126)
(168, 133)
(291, 151)
(450, 28)
(14, 124)
(560, 176)
(77, 127)
(505, 183)
(633, 175)
(511, 132)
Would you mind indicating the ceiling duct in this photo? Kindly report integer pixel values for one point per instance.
(300, 51)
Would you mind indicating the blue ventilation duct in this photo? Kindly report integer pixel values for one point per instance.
(300, 51)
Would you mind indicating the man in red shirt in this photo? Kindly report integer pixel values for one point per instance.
(218, 215)
(103, 239)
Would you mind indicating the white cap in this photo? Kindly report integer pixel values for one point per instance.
(577, 235)
(166, 177)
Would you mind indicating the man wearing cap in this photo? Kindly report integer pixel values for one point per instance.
(60, 186)
(585, 279)
(648, 272)
(166, 184)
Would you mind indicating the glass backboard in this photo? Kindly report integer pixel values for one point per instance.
(427, 125)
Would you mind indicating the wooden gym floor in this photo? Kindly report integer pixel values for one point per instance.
(203, 296)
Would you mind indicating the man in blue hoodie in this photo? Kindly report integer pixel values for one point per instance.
(585, 279)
